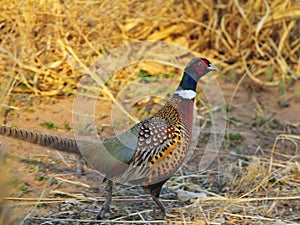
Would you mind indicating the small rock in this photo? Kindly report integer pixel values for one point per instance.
(279, 222)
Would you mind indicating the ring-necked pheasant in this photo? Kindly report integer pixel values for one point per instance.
(159, 143)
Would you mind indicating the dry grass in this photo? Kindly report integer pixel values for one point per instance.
(45, 46)
(253, 190)
(37, 37)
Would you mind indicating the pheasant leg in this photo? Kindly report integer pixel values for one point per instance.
(155, 192)
(105, 206)
(160, 204)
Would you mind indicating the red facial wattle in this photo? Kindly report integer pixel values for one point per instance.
(200, 67)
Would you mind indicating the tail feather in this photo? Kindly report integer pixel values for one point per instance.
(56, 142)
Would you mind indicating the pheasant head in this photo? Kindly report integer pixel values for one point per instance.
(194, 70)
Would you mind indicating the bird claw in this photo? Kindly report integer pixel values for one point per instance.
(103, 211)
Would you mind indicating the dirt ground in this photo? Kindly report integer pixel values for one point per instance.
(45, 189)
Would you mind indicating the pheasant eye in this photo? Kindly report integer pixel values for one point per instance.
(198, 65)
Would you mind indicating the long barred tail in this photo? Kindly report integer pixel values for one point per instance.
(56, 142)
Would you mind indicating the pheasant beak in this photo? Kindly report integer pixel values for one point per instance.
(212, 67)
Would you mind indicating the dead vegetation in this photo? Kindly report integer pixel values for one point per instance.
(45, 47)
(44, 42)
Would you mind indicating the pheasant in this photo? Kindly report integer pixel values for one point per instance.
(152, 149)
